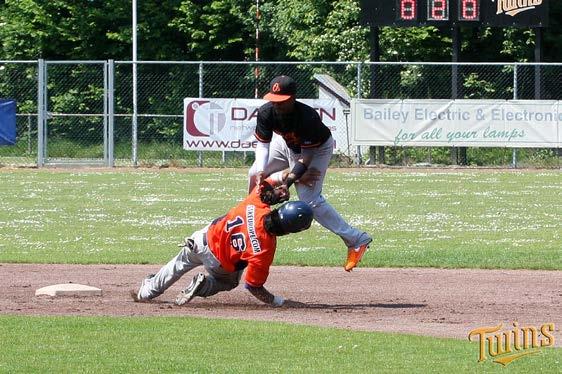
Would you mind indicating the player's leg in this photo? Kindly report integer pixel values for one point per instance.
(187, 259)
(216, 280)
(324, 213)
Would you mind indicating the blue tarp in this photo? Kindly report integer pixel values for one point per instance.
(7, 122)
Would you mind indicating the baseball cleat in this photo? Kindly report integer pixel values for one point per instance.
(191, 291)
(354, 255)
(138, 296)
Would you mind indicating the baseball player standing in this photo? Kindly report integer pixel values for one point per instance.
(291, 134)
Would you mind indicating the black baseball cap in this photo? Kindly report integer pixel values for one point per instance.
(281, 89)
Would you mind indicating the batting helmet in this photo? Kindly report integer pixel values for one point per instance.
(290, 217)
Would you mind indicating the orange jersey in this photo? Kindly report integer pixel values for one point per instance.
(240, 238)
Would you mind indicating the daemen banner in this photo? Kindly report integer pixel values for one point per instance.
(229, 124)
(468, 123)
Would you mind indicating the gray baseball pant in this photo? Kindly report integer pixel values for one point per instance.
(194, 253)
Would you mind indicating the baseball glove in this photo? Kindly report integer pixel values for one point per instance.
(272, 196)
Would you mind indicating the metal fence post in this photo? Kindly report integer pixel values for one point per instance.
(105, 114)
(359, 71)
(135, 117)
(514, 150)
(110, 112)
(359, 158)
(41, 113)
(29, 134)
(200, 153)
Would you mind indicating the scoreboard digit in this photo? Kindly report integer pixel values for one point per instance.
(437, 10)
(469, 10)
(407, 10)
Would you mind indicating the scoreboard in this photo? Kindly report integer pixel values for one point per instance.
(438, 10)
(500, 13)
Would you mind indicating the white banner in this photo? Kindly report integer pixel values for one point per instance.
(229, 124)
(468, 123)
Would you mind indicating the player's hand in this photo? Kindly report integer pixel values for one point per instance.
(310, 177)
(282, 193)
(272, 196)
(283, 187)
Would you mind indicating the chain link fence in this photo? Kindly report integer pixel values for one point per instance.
(75, 104)
(76, 97)
(18, 81)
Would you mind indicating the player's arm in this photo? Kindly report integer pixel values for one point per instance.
(308, 178)
(309, 150)
(263, 134)
(257, 273)
(263, 295)
(300, 168)
(278, 178)
(262, 155)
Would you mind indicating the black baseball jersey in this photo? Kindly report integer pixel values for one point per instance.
(302, 128)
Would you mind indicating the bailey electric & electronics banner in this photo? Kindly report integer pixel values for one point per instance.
(229, 124)
(467, 123)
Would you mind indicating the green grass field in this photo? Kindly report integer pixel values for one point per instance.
(189, 345)
(472, 219)
(482, 219)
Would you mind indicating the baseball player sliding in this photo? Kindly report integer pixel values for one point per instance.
(244, 238)
(291, 134)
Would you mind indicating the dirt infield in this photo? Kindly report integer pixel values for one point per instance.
(435, 302)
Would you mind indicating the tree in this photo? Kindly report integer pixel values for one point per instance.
(216, 30)
(314, 30)
(87, 30)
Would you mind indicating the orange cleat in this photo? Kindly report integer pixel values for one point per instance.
(354, 255)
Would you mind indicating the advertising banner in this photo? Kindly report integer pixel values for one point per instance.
(467, 123)
(229, 124)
